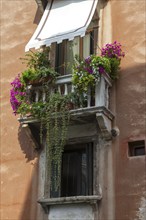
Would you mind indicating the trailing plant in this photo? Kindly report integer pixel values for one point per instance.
(55, 116)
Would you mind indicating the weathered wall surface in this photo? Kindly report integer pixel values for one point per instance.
(128, 27)
(18, 160)
(122, 178)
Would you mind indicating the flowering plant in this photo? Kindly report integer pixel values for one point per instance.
(19, 99)
(113, 50)
(17, 94)
(88, 71)
(114, 53)
(38, 71)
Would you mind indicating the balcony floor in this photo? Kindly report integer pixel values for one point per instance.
(78, 116)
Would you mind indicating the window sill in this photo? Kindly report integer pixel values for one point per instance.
(92, 200)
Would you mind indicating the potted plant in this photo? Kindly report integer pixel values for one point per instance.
(114, 53)
(88, 71)
(39, 68)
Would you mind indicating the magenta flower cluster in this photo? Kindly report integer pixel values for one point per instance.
(113, 50)
(16, 94)
(87, 66)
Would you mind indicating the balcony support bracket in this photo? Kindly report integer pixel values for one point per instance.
(105, 125)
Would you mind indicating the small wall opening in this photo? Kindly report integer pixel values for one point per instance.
(136, 148)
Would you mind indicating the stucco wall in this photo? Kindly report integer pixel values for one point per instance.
(122, 178)
(128, 27)
(18, 159)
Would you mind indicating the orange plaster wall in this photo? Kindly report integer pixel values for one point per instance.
(18, 159)
(128, 25)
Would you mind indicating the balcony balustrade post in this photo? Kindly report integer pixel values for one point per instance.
(36, 96)
(89, 97)
(66, 90)
(44, 96)
(100, 93)
(59, 89)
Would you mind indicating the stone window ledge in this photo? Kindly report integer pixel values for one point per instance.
(45, 203)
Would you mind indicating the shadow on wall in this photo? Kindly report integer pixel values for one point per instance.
(37, 17)
(27, 145)
(30, 207)
(31, 210)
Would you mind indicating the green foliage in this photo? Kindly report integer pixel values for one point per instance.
(103, 62)
(39, 67)
(24, 109)
(28, 75)
(37, 109)
(87, 72)
(115, 67)
(36, 60)
(54, 119)
(55, 116)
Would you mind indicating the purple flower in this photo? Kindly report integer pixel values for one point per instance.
(89, 69)
(101, 70)
(88, 60)
(16, 93)
(113, 50)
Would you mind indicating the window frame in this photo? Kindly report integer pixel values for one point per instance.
(61, 50)
(95, 184)
(136, 145)
(80, 149)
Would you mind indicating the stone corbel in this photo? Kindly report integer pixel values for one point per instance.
(31, 136)
(105, 124)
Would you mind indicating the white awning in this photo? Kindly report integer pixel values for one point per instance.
(62, 19)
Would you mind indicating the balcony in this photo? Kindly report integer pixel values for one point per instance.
(95, 106)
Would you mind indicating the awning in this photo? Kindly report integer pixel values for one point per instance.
(62, 19)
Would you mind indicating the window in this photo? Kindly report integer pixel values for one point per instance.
(66, 51)
(77, 171)
(136, 148)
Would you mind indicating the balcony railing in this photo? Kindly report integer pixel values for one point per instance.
(97, 98)
(96, 105)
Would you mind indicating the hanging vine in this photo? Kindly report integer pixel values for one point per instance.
(55, 117)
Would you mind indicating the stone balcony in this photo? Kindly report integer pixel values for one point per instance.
(95, 108)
